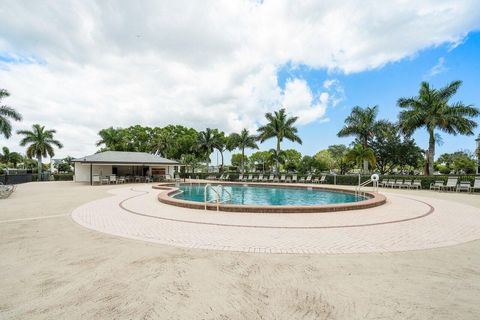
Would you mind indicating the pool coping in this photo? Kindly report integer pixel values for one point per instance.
(374, 200)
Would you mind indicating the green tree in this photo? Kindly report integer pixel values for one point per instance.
(243, 140)
(459, 161)
(362, 123)
(292, 159)
(279, 126)
(262, 158)
(190, 161)
(324, 157)
(111, 138)
(7, 112)
(310, 164)
(431, 109)
(40, 143)
(221, 144)
(5, 155)
(239, 159)
(360, 154)
(206, 144)
(338, 153)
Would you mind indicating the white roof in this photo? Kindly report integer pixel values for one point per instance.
(124, 157)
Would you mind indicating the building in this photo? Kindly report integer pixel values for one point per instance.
(122, 163)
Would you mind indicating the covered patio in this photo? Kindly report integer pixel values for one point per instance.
(122, 167)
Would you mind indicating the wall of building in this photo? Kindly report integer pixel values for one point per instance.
(82, 171)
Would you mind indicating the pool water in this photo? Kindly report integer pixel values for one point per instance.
(261, 195)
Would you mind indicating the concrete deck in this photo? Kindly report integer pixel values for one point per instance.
(53, 268)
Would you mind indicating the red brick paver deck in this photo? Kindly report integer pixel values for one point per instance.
(404, 223)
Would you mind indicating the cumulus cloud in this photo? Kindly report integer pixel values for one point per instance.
(82, 66)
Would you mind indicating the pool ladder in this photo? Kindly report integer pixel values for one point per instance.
(217, 199)
(360, 192)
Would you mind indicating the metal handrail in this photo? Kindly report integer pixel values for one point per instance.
(218, 198)
(358, 189)
(228, 192)
(208, 185)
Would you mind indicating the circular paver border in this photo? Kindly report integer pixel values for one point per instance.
(121, 204)
(374, 200)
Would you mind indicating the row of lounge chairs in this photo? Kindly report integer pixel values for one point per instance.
(6, 190)
(453, 184)
(273, 178)
(401, 183)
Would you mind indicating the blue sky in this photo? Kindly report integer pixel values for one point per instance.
(383, 86)
(84, 67)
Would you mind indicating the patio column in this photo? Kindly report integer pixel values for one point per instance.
(91, 174)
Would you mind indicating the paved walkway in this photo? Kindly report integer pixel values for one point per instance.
(404, 223)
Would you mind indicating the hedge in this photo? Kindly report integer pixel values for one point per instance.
(351, 180)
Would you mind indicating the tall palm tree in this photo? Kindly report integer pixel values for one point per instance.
(431, 109)
(359, 154)
(40, 143)
(362, 123)
(220, 143)
(5, 113)
(206, 144)
(243, 140)
(279, 126)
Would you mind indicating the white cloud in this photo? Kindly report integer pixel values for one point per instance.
(438, 68)
(82, 66)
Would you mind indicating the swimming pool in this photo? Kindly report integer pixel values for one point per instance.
(267, 198)
(265, 195)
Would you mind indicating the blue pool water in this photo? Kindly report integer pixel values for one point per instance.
(260, 195)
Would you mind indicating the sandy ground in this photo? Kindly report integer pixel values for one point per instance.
(52, 268)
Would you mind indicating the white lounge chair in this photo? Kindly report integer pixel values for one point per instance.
(309, 179)
(416, 184)
(451, 184)
(464, 186)
(383, 182)
(437, 185)
(271, 178)
(323, 179)
(476, 185)
(294, 178)
(406, 184)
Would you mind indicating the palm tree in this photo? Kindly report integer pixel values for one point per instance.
(359, 154)
(362, 123)
(242, 141)
(431, 109)
(5, 155)
(220, 143)
(40, 143)
(206, 144)
(279, 126)
(5, 113)
(10, 157)
(111, 138)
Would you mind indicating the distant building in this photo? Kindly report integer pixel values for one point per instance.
(122, 163)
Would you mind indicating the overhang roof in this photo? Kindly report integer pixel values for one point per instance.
(124, 157)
